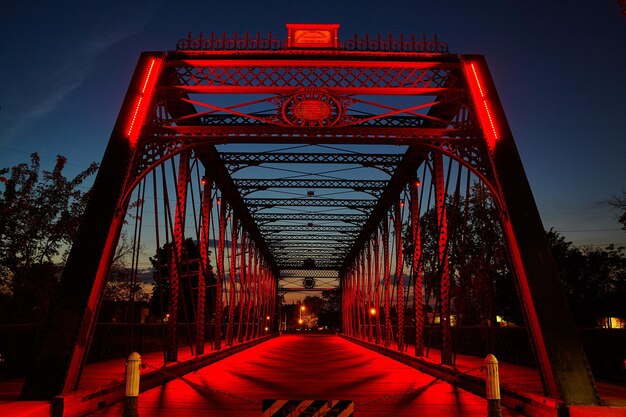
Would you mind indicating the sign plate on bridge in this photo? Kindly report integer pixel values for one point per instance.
(308, 408)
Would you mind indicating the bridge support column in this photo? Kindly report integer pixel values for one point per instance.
(444, 268)
(399, 273)
(176, 256)
(368, 297)
(219, 306)
(387, 281)
(203, 274)
(242, 285)
(418, 279)
(379, 330)
(232, 280)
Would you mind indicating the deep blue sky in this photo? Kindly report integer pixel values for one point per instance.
(559, 66)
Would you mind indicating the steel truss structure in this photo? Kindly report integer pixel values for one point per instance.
(165, 154)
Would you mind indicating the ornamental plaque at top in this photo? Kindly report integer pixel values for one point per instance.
(312, 36)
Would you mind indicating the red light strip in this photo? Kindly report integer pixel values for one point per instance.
(143, 90)
(132, 121)
(485, 104)
(137, 114)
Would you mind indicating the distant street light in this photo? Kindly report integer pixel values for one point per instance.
(300, 321)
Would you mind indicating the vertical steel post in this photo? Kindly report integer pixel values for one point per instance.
(257, 296)
(362, 298)
(232, 279)
(350, 293)
(418, 282)
(379, 331)
(370, 316)
(386, 281)
(399, 274)
(357, 298)
(242, 285)
(203, 274)
(346, 303)
(249, 279)
(444, 268)
(176, 256)
(354, 311)
(219, 304)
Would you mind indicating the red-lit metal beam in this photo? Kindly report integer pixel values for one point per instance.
(560, 355)
(203, 274)
(243, 283)
(397, 221)
(176, 253)
(232, 280)
(376, 242)
(368, 305)
(221, 273)
(71, 321)
(442, 257)
(386, 281)
(418, 278)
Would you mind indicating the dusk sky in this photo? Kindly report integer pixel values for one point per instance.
(560, 69)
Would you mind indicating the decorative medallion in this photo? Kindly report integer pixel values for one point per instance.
(312, 108)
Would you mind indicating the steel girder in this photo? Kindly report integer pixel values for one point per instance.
(307, 228)
(239, 160)
(306, 238)
(260, 203)
(277, 246)
(300, 272)
(286, 289)
(275, 217)
(256, 184)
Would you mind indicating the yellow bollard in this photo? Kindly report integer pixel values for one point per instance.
(132, 385)
(494, 406)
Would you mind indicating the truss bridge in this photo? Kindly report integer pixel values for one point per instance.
(377, 175)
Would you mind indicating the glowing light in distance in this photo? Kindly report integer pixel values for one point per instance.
(372, 311)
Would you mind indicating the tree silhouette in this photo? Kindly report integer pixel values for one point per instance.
(40, 212)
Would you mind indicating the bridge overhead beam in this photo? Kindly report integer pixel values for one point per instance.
(354, 204)
(309, 217)
(311, 228)
(255, 159)
(251, 184)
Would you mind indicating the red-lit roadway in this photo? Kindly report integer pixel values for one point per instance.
(307, 367)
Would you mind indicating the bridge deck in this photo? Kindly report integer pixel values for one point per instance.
(307, 367)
